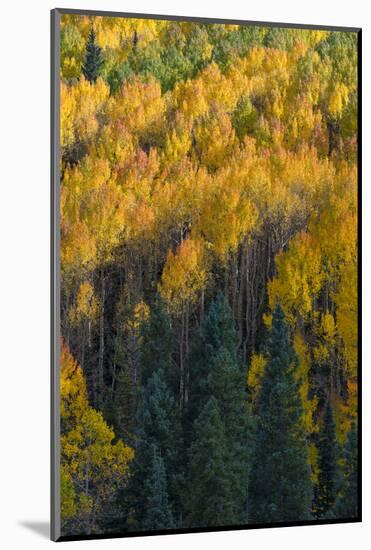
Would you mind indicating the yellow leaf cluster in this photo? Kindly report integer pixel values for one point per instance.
(255, 375)
(299, 278)
(139, 106)
(338, 99)
(92, 466)
(86, 306)
(80, 104)
(310, 405)
(184, 274)
(215, 140)
(226, 214)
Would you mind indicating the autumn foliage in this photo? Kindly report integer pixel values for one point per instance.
(204, 159)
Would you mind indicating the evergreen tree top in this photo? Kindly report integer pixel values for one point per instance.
(282, 359)
(158, 405)
(157, 343)
(218, 328)
(280, 484)
(94, 61)
(158, 513)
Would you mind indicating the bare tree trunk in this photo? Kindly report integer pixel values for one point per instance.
(181, 362)
(113, 379)
(83, 345)
(186, 385)
(241, 288)
(89, 333)
(87, 478)
(202, 308)
(99, 389)
(247, 297)
(226, 279)
(235, 283)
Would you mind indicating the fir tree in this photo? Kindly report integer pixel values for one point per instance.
(123, 404)
(157, 513)
(126, 347)
(218, 374)
(208, 499)
(94, 61)
(226, 383)
(159, 428)
(325, 490)
(280, 486)
(157, 344)
(158, 416)
(216, 333)
(218, 329)
(347, 500)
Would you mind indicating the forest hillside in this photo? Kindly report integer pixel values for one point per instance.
(209, 274)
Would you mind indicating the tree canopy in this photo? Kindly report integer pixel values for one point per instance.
(208, 215)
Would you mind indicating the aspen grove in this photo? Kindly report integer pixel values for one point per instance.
(208, 203)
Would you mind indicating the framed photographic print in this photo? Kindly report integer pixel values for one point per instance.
(205, 274)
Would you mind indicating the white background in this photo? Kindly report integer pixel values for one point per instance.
(24, 271)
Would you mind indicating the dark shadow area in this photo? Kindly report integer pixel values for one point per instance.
(42, 528)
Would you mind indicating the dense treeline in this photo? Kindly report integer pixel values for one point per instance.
(209, 274)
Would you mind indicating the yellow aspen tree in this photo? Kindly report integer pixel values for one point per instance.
(92, 466)
(80, 104)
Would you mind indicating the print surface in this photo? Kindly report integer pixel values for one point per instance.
(208, 197)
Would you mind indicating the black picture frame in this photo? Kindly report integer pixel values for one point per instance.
(55, 272)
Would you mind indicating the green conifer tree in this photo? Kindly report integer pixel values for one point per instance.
(158, 427)
(93, 63)
(158, 416)
(226, 383)
(216, 333)
(208, 498)
(157, 512)
(157, 344)
(280, 486)
(325, 489)
(218, 374)
(126, 347)
(347, 500)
